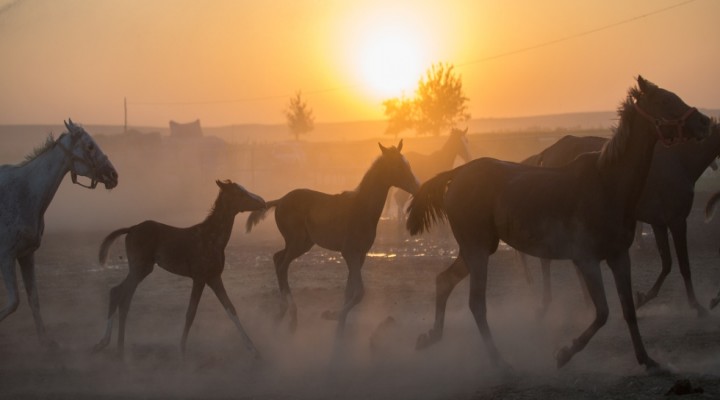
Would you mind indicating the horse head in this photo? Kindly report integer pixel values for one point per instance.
(86, 157)
(396, 168)
(238, 198)
(673, 120)
(458, 137)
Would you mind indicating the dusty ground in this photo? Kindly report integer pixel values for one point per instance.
(399, 278)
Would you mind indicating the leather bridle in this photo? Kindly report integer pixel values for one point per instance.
(661, 122)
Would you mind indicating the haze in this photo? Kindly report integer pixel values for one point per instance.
(230, 62)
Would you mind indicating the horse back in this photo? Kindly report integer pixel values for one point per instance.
(548, 212)
(321, 216)
(177, 250)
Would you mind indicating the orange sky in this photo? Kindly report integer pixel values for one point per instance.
(229, 62)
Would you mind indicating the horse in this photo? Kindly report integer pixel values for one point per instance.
(26, 190)
(665, 203)
(584, 211)
(345, 222)
(196, 252)
(425, 166)
(709, 210)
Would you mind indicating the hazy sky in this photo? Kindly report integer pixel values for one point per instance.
(239, 61)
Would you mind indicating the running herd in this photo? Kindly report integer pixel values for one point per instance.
(583, 208)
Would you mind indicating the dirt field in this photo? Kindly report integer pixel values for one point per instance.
(399, 279)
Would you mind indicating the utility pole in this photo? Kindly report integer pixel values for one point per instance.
(125, 104)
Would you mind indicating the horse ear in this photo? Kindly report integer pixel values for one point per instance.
(67, 126)
(382, 148)
(220, 184)
(645, 85)
(399, 147)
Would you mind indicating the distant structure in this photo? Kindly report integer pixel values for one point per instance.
(184, 131)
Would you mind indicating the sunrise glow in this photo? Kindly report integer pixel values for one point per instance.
(391, 62)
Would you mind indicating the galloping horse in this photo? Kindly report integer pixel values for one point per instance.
(584, 212)
(26, 190)
(197, 252)
(345, 222)
(665, 204)
(425, 166)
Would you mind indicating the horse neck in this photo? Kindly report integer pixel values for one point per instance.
(219, 224)
(625, 161)
(371, 194)
(44, 174)
(696, 157)
(446, 155)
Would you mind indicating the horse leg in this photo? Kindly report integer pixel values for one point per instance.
(663, 245)
(354, 289)
(445, 282)
(584, 288)
(115, 296)
(714, 302)
(590, 271)
(282, 276)
(197, 289)
(679, 234)
(27, 269)
(282, 260)
(126, 292)
(476, 259)
(547, 287)
(8, 273)
(620, 267)
(216, 284)
(523, 264)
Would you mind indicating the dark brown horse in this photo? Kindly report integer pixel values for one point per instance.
(584, 211)
(197, 252)
(665, 203)
(425, 166)
(344, 222)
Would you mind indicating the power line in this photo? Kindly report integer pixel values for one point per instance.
(575, 35)
(477, 61)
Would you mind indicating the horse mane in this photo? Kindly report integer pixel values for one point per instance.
(366, 176)
(616, 146)
(214, 207)
(39, 150)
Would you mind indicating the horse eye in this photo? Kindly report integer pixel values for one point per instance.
(90, 147)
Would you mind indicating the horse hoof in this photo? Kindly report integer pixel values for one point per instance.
(330, 315)
(426, 340)
(563, 356)
(653, 368)
(641, 299)
(714, 302)
(701, 311)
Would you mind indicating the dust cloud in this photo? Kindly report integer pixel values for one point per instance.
(172, 181)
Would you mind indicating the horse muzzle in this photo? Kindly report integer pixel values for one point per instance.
(108, 177)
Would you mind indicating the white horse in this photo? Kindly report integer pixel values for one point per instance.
(26, 190)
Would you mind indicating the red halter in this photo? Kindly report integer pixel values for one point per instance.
(659, 122)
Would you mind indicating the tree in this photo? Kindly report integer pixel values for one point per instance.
(438, 104)
(299, 116)
(400, 115)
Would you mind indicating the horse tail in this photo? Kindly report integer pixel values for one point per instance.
(710, 206)
(427, 205)
(109, 239)
(258, 215)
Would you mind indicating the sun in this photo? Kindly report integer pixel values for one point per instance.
(390, 62)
